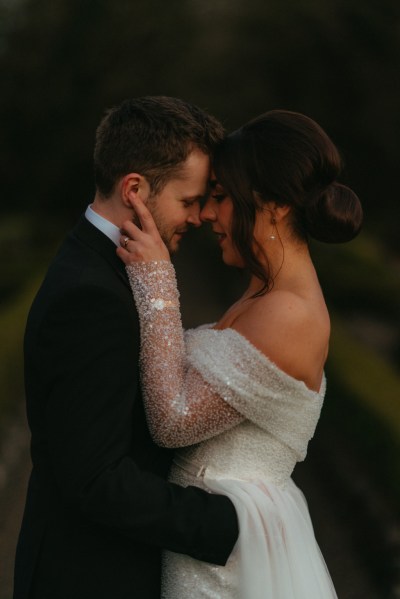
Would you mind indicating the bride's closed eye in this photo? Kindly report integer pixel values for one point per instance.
(218, 193)
(218, 196)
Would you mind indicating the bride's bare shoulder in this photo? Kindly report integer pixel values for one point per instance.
(282, 307)
(291, 330)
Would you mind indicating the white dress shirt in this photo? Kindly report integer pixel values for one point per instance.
(104, 225)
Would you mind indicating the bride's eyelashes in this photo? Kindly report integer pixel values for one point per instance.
(218, 196)
(216, 191)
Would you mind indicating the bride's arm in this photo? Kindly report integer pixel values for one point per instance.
(181, 407)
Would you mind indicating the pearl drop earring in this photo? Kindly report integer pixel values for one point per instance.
(273, 223)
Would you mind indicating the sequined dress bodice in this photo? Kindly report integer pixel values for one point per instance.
(281, 413)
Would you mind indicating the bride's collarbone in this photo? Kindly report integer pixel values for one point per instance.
(265, 307)
(237, 309)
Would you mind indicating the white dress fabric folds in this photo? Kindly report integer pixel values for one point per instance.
(248, 453)
(277, 554)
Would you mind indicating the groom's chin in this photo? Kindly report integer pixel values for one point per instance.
(174, 243)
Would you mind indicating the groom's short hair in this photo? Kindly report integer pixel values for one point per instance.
(152, 136)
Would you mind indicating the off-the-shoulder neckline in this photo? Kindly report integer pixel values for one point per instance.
(262, 356)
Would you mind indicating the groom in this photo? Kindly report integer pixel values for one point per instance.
(99, 510)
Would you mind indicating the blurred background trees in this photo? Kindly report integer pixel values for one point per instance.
(63, 62)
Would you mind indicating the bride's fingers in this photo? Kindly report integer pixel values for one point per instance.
(145, 217)
(125, 256)
(124, 243)
(129, 229)
(131, 233)
(141, 244)
(130, 251)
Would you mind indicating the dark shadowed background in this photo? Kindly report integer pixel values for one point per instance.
(63, 62)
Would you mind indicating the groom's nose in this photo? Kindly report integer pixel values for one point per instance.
(194, 216)
(207, 213)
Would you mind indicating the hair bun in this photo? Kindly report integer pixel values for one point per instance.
(335, 216)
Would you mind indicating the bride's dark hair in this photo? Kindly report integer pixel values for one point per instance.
(287, 158)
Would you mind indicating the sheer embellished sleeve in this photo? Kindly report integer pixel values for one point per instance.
(182, 408)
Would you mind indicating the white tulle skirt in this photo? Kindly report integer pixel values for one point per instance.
(275, 557)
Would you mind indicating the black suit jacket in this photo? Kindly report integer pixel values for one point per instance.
(99, 509)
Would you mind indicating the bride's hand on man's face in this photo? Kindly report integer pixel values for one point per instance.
(141, 244)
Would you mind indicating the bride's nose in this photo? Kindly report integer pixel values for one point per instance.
(208, 212)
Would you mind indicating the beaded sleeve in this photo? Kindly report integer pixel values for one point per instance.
(181, 407)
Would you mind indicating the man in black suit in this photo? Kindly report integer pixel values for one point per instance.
(99, 510)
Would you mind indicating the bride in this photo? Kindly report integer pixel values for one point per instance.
(241, 398)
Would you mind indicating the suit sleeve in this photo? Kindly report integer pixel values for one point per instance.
(89, 352)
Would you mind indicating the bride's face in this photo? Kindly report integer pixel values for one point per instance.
(218, 211)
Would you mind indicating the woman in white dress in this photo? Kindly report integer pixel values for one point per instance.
(241, 398)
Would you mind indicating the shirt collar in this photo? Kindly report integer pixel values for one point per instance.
(104, 225)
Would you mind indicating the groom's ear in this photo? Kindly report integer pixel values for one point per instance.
(134, 185)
